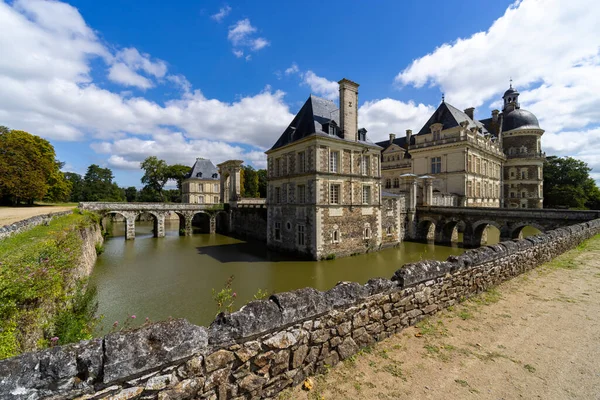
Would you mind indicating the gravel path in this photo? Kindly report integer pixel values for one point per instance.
(9, 215)
(534, 337)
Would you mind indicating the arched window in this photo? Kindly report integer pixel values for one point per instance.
(367, 233)
(335, 236)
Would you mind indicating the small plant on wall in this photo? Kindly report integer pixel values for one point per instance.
(225, 297)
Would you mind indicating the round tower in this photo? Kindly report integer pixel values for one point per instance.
(521, 142)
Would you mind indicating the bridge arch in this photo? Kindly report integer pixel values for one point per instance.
(426, 228)
(517, 229)
(475, 233)
(447, 230)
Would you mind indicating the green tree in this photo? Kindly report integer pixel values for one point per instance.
(27, 166)
(262, 183)
(59, 188)
(178, 173)
(567, 183)
(99, 185)
(249, 182)
(156, 175)
(77, 186)
(131, 194)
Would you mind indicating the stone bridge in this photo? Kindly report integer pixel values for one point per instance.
(130, 211)
(442, 224)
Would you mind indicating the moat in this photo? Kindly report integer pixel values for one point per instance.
(174, 276)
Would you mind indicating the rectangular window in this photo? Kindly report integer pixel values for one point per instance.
(277, 195)
(302, 162)
(216, 188)
(388, 183)
(396, 182)
(301, 235)
(277, 230)
(469, 163)
(478, 189)
(201, 187)
(365, 165)
(436, 165)
(366, 195)
(201, 199)
(334, 159)
(301, 194)
(215, 199)
(477, 165)
(334, 194)
(469, 189)
(277, 171)
(436, 135)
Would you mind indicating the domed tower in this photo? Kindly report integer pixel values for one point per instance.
(521, 142)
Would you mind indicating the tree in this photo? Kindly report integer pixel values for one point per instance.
(99, 186)
(77, 186)
(262, 183)
(249, 182)
(59, 187)
(27, 166)
(178, 173)
(131, 194)
(567, 183)
(156, 174)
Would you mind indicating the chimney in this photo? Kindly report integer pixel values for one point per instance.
(495, 115)
(392, 137)
(349, 109)
(408, 136)
(469, 111)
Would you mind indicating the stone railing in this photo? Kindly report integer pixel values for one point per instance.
(527, 155)
(272, 344)
(26, 224)
(139, 207)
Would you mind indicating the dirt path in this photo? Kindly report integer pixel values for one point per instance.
(535, 337)
(9, 215)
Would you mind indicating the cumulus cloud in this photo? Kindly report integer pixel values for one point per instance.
(293, 69)
(321, 86)
(551, 50)
(241, 34)
(385, 116)
(46, 64)
(223, 12)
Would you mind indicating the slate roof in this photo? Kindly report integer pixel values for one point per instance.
(313, 119)
(519, 118)
(204, 169)
(450, 116)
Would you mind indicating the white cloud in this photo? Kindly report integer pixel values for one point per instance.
(385, 116)
(551, 50)
(47, 56)
(121, 73)
(248, 57)
(293, 69)
(259, 43)
(241, 34)
(174, 148)
(223, 12)
(321, 86)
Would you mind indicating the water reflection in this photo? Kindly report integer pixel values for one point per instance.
(174, 276)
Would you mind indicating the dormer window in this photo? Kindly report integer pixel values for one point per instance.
(362, 134)
(199, 175)
(214, 176)
(332, 130)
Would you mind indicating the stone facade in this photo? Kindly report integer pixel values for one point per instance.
(203, 184)
(270, 345)
(324, 191)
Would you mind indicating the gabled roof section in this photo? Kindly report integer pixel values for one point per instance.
(311, 119)
(204, 169)
(401, 141)
(450, 117)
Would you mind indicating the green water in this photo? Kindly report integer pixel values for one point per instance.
(174, 276)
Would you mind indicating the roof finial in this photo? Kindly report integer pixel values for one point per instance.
(511, 82)
(443, 98)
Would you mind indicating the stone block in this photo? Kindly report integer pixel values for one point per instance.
(345, 294)
(301, 304)
(218, 359)
(299, 356)
(130, 353)
(347, 348)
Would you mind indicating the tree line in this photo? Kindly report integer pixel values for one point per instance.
(30, 171)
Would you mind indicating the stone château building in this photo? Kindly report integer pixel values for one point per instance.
(458, 160)
(202, 184)
(332, 192)
(324, 192)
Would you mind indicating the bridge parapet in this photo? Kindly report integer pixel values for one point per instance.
(141, 207)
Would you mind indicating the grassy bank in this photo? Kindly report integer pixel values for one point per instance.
(41, 303)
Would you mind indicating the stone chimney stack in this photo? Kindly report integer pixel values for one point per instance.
(495, 115)
(408, 136)
(392, 137)
(470, 111)
(349, 109)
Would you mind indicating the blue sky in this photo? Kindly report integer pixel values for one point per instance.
(113, 82)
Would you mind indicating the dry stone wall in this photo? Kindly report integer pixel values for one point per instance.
(272, 344)
(26, 224)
